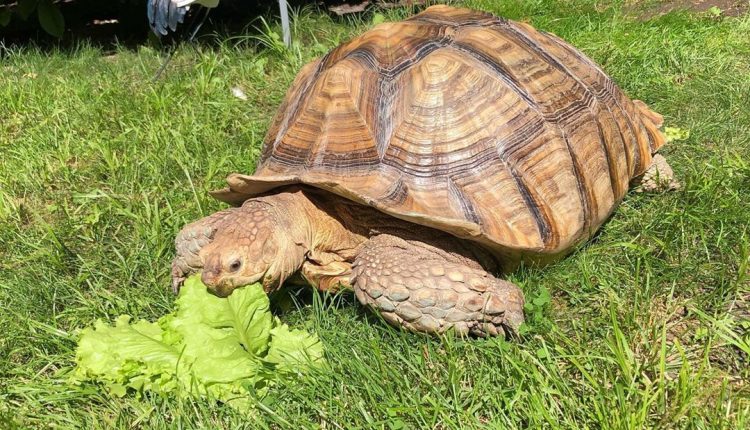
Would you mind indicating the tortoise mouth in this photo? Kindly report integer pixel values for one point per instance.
(221, 291)
(224, 286)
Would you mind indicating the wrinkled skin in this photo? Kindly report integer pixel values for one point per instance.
(417, 278)
(240, 247)
(271, 238)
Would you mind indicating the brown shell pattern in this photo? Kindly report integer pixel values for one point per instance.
(473, 124)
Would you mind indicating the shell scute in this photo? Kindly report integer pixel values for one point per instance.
(459, 120)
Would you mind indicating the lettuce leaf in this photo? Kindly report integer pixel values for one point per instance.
(223, 348)
(290, 349)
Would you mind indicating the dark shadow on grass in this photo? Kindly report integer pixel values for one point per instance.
(292, 296)
(113, 25)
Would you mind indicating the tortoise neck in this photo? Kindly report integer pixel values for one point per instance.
(318, 223)
(320, 227)
(333, 235)
(338, 226)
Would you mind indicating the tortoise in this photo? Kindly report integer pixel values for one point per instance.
(420, 159)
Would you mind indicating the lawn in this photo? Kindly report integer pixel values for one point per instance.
(646, 326)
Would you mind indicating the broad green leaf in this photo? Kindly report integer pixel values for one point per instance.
(50, 18)
(117, 354)
(222, 348)
(105, 348)
(674, 134)
(290, 348)
(4, 16)
(245, 312)
(542, 353)
(222, 337)
(524, 328)
(26, 7)
(542, 298)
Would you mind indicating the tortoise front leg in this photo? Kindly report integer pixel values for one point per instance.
(329, 277)
(188, 243)
(418, 287)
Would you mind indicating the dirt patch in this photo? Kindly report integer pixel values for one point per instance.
(652, 10)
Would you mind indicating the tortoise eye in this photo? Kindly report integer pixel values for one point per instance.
(235, 266)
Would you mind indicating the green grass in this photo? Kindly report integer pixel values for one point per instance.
(648, 325)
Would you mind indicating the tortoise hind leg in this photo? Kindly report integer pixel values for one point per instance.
(416, 286)
(658, 177)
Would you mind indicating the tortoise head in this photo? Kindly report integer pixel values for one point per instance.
(250, 246)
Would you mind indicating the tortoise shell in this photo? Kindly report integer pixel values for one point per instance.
(455, 119)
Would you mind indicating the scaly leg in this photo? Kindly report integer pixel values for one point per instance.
(658, 177)
(422, 288)
(189, 242)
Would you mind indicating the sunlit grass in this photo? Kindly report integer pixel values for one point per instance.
(647, 326)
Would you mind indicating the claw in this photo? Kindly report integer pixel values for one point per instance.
(178, 277)
(513, 321)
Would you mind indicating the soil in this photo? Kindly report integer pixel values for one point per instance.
(728, 7)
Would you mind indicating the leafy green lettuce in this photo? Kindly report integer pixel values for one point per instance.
(222, 348)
